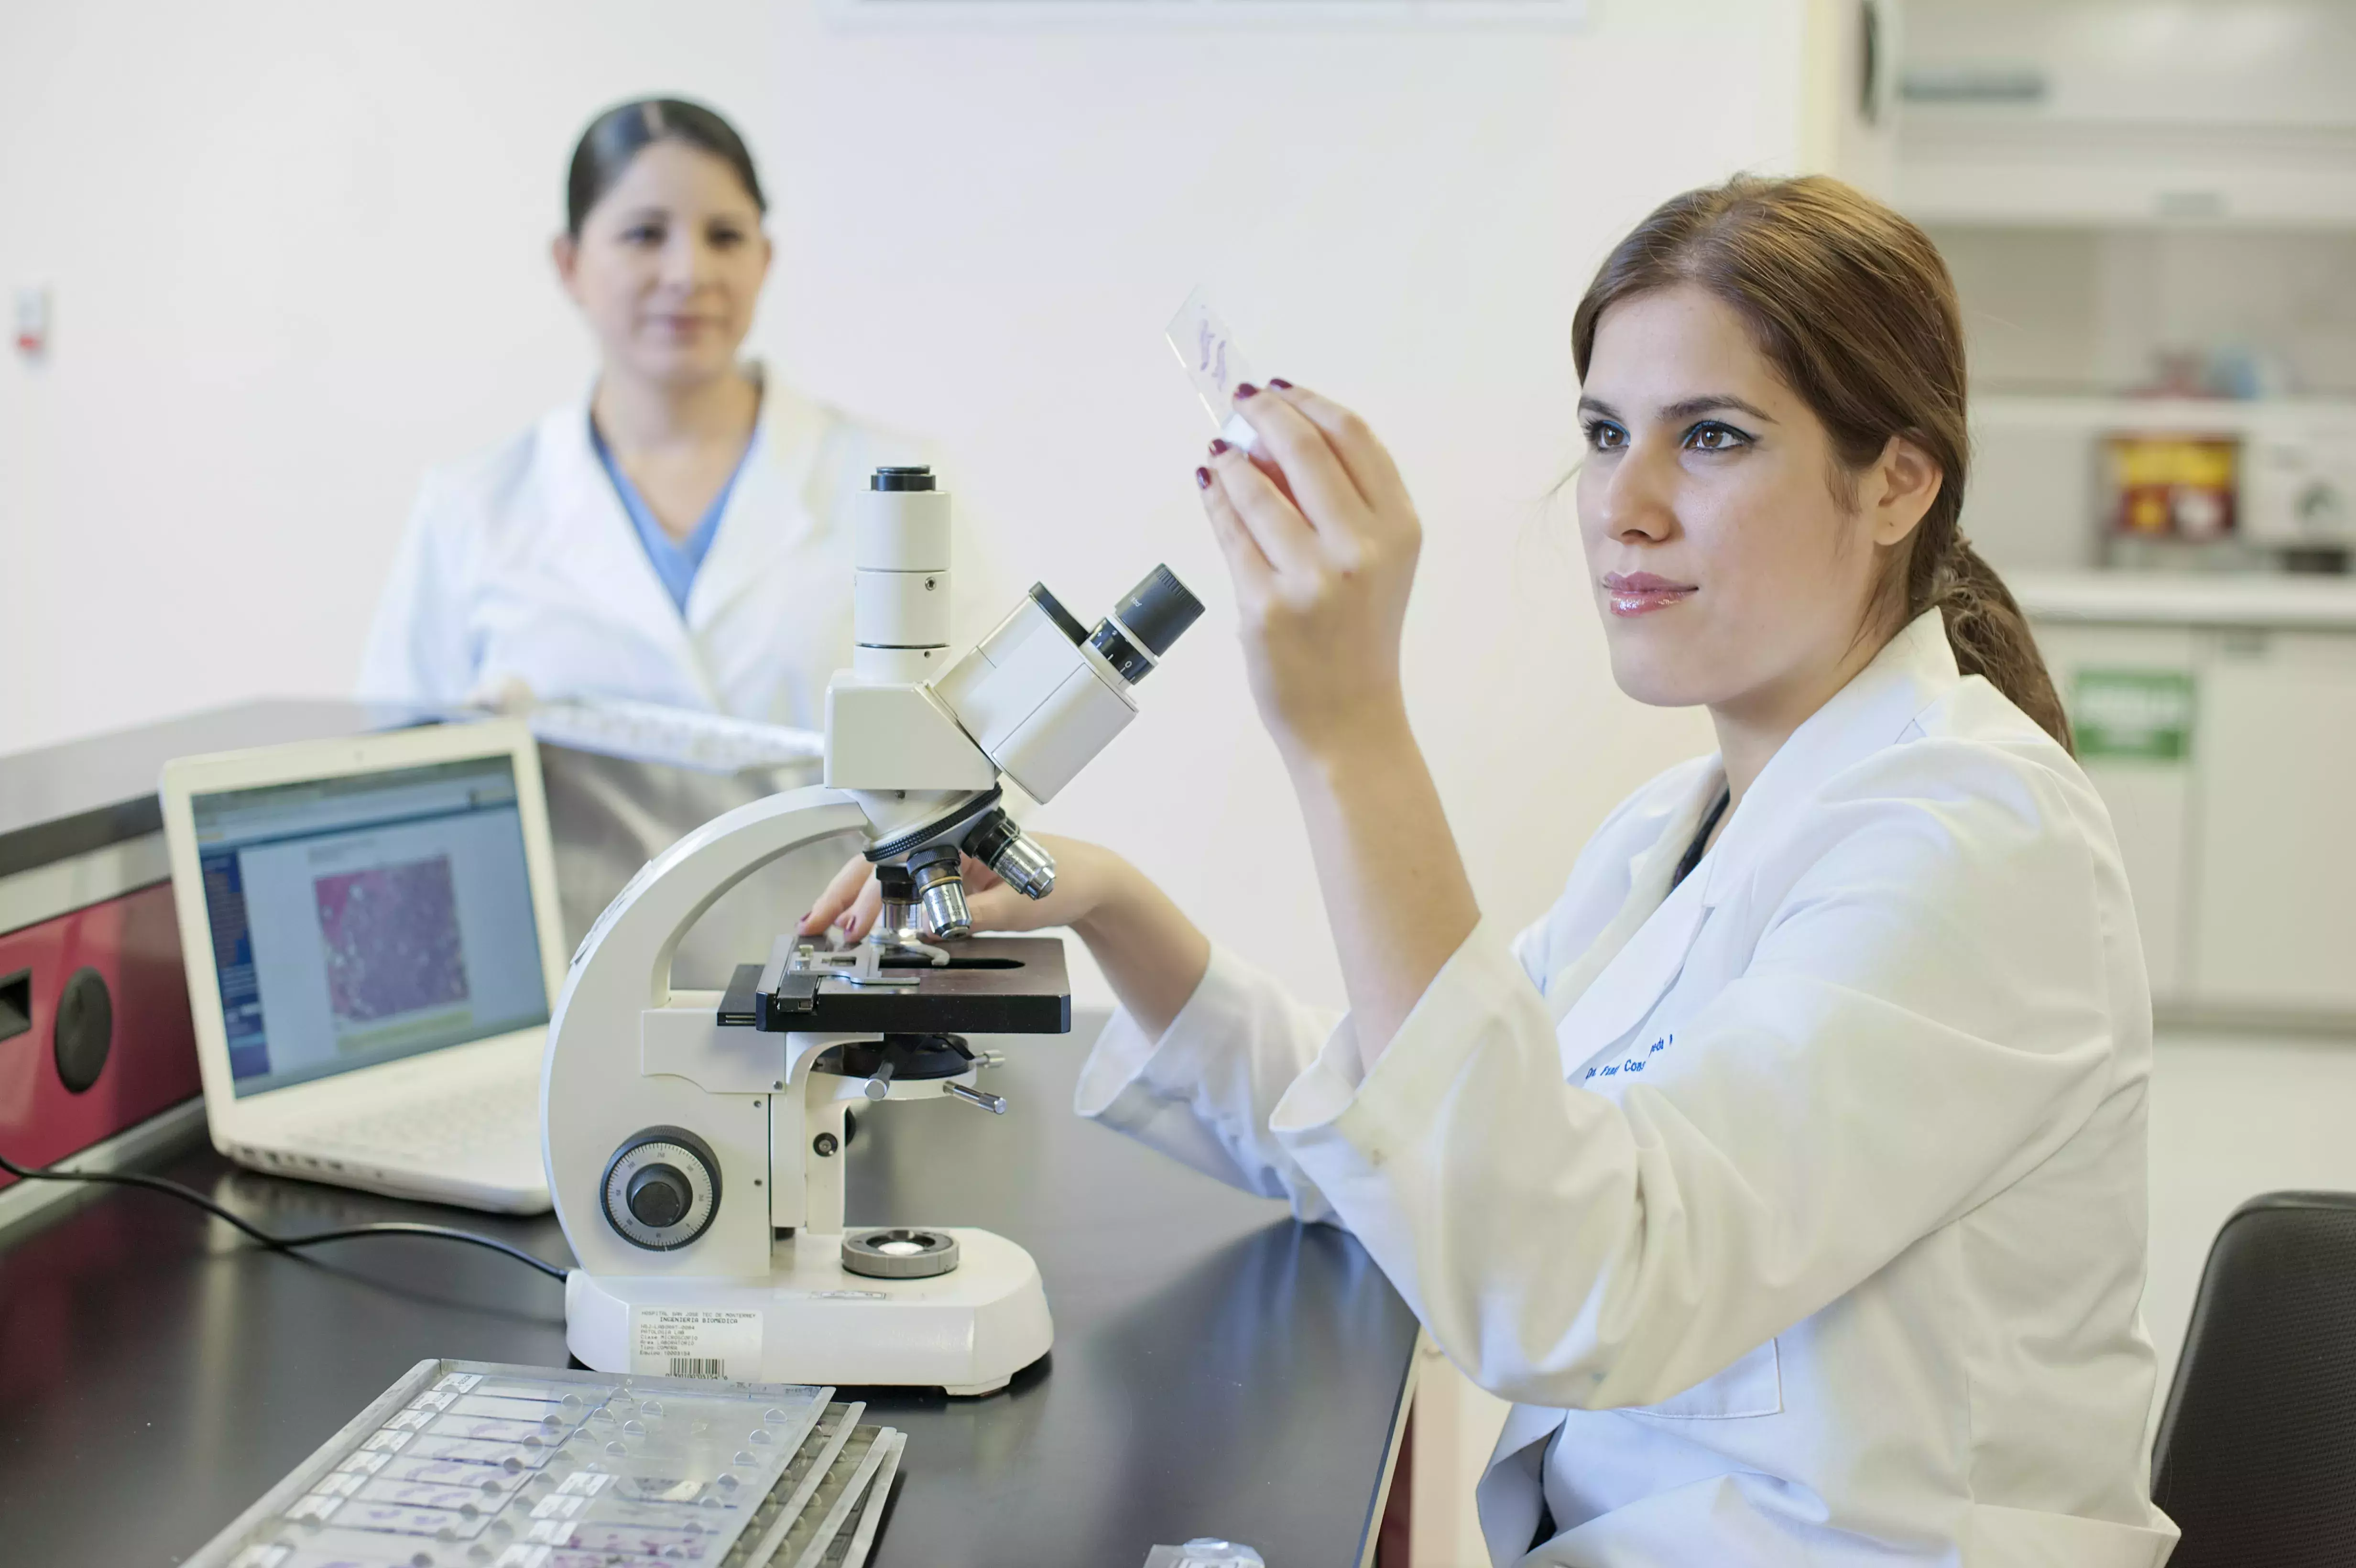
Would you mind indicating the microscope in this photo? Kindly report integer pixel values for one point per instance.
(695, 1140)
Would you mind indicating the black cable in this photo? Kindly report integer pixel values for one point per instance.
(284, 1243)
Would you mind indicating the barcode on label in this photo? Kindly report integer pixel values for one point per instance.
(695, 1341)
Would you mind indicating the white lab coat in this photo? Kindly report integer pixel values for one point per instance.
(1801, 1209)
(520, 565)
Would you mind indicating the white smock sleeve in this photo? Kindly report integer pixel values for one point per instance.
(1913, 1031)
(1202, 1091)
(418, 650)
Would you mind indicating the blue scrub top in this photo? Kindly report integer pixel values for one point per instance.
(675, 561)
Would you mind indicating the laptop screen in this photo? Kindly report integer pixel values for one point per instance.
(358, 919)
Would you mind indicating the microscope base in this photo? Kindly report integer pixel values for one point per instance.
(966, 1332)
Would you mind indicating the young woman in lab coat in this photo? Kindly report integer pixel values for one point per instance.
(1789, 1173)
(677, 535)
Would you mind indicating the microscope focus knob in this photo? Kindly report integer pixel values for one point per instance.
(661, 1189)
(659, 1197)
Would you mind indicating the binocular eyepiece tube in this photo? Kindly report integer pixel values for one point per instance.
(1039, 698)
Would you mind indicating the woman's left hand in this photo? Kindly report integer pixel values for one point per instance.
(1322, 563)
(1320, 539)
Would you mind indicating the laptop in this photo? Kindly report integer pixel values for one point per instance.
(371, 932)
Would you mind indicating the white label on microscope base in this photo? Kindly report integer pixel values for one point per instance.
(692, 1343)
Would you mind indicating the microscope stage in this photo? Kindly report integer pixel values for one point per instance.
(992, 984)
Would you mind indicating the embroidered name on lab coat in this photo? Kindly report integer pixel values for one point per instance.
(1633, 1063)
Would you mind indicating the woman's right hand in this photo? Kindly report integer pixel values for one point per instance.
(1087, 876)
(1147, 948)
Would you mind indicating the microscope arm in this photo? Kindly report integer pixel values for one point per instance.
(618, 1002)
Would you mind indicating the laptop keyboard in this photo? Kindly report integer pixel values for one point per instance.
(486, 1116)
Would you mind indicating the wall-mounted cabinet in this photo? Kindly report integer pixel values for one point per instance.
(2128, 112)
(2071, 331)
(2045, 487)
(2150, 208)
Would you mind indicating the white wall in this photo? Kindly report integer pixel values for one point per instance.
(297, 255)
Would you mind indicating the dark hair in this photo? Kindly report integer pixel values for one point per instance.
(621, 132)
(1854, 307)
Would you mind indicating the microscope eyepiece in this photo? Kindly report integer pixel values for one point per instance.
(1158, 610)
(1148, 620)
(919, 477)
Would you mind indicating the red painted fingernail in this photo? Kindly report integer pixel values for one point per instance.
(1279, 381)
(1245, 389)
(1202, 479)
(1217, 446)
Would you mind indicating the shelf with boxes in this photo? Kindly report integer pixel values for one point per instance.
(2165, 481)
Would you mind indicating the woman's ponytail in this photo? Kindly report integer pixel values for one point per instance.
(1854, 307)
(1991, 638)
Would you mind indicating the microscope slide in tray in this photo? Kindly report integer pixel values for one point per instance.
(475, 1465)
(824, 1511)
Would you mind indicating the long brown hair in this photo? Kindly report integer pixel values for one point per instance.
(1854, 309)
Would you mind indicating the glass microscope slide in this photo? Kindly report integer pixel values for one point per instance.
(826, 1509)
(783, 1507)
(1207, 353)
(851, 1552)
(831, 1511)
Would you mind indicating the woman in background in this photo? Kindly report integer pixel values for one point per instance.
(678, 535)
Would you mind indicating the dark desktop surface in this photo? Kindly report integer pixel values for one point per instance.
(1218, 1369)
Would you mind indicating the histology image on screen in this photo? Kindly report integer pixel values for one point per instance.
(391, 934)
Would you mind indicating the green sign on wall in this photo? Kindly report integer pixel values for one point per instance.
(2132, 715)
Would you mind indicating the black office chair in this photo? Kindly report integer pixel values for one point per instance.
(2257, 1456)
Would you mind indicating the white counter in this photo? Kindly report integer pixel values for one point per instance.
(2252, 599)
